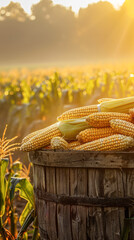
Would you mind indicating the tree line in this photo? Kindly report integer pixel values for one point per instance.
(54, 33)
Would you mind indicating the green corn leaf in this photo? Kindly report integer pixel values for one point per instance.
(35, 232)
(25, 189)
(25, 236)
(29, 219)
(15, 172)
(25, 212)
(3, 185)
(126, 228)
(16, 175)
(126, 232)
(17, 166)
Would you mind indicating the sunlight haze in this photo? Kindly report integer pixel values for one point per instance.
(75, 4)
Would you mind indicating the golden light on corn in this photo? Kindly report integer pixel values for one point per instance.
(122, 127)
(101, 119)
(111, 143)
(42, 138)
(92, 134)
(78, 112)
(59, 143)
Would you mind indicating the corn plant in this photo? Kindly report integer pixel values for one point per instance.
(14, 177)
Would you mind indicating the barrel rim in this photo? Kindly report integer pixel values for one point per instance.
(75, 158)
(73, 150)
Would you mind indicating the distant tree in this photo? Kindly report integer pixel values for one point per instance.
(95, 29)
(13, 11)
(42, 9)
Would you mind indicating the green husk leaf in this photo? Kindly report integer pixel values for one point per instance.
(71, 128)
(121, 105)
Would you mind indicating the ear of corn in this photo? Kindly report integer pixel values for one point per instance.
(115, 105)
(92, 134)
(121, 105)
(59, 143)
(73, 144)
(42, 138)
(101, 119)
(111, 143)
(122, 127)
(29, 136)
(78, 112)
(70, 128)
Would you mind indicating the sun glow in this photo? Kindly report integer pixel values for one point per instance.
(130, 8)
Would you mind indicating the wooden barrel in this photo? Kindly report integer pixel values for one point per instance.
(83, 195)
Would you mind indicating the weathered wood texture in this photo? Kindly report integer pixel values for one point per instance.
(83, 195)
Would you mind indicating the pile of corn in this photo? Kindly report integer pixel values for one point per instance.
(108, 126)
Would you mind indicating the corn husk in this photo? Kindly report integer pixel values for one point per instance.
(104, 100)
(121, 105)
(71, 128)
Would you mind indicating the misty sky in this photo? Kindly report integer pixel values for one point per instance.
(75, 4)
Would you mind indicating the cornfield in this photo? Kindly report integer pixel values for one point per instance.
(30, 99)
